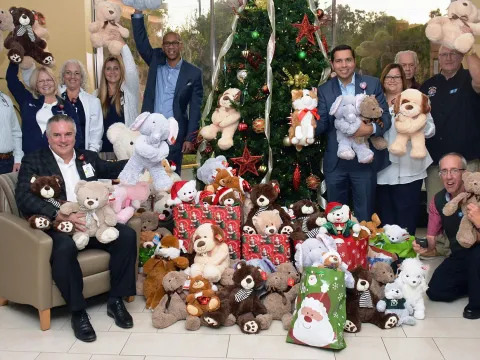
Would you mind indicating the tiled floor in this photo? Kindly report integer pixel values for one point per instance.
(444, 334)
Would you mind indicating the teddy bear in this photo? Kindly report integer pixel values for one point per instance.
(411, 109)
(170, 168)
(172, 305)
(183, 192)
(289, 269)
(372, 227)
(164, 210)
(394, 303)
(22, 40)
(267, 222)
(361, 305)
(149, 219)
(6, 24)
(413, 283)
(151, 147)
(166, 259)
(332, 260)
(92, 200)
(107, 18)
(219, 181)
(281, 293)
(225, 197)
(396, 240)
(467, 233)
(456, 30)
(338, 221)
(225, 119)
(371, 112)
(300, 212)
(127, 198)
(238, 183)
(382, 274)
(49, 189)
(122, 139)
(347, 122)
(143, 4)
(208, 171)
(304, 118)
(212, 256)
(201, 298)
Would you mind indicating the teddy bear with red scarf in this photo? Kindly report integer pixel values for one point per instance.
(339, 221)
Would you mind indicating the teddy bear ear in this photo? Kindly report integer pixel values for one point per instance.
(58, 179)
(466, 175)
(33, 179)
(240, 265)
(336, 105)
(79, 184)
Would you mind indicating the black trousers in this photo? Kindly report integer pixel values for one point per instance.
(68, 276)
(399, 204)
(456, 277)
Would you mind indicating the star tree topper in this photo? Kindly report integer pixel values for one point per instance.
(305, 29)
(247, 162)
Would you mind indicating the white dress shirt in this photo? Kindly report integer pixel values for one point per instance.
(44, 114)
(70, 175)
(10, 134)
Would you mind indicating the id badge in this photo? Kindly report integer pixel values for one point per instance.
(88, 170)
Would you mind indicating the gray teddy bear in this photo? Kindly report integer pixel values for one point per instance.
(151, 147)
(395, 303)
(346, 110)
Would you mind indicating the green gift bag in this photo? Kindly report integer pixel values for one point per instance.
(320, 310)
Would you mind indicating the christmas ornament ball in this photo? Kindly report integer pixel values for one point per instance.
(242, 75)
(313, 181)
(255, 34)
(262, 169)
(242, 127)
(302, 55)
(259, 125)
(286, 141)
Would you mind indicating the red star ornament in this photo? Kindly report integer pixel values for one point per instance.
(247, 162)
(305, 29)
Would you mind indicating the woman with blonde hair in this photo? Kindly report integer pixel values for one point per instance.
(38, 106)
(118, 93)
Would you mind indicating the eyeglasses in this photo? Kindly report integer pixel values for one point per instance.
(171, 43)
(47, 81)
(392, 78)
(453, 172)
(76, 73)
(408, 66)
(449, 55)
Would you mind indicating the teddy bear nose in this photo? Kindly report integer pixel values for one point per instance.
(111, 12)
(408, 107)
(90, 202)
(363, 282)
(248, 280)
(271, 231)
(47, 187)
(226, 98)
(465, 4)
(201, 243)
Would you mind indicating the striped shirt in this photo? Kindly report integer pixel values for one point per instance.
(11, 134)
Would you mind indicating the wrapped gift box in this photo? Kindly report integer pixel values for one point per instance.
(276, 248)
(188, 217)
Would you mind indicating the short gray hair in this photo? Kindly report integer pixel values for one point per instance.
(58, 118)
(460, 156)
(83, 72)
(413, 53)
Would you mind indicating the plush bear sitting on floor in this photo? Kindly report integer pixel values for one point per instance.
(382, 274)
(202, 298)
(395, 303)
(361, 305)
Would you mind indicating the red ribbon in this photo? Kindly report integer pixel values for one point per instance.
(305, 111)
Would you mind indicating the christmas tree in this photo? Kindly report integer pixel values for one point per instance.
(275, 47)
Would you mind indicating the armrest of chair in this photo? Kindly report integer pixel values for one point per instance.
(25, 272)
(136, 224)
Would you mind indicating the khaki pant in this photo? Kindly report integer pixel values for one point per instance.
(434, 184)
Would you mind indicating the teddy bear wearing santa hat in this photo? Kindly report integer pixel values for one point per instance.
(338, 221)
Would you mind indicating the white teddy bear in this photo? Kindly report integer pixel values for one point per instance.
(455, 31)
(207, 172)
(183, 192)
(395, 303)
(396, 234)
(413, 283)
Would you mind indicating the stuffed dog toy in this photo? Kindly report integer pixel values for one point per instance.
(304, 119)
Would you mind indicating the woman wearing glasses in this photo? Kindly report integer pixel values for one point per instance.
(118, 93)
(400, 184)
(38, 106)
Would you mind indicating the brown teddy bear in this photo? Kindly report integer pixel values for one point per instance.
(382, 274)
(267, 222)
(22, 40)
(172, 306)
(49, 189)
(361, 304)
(371, 112)
(219, 181)
(201, 298)
(149, 219)
(227, 197)
(372, 226)
(467, 233)
(167, 258)
(290, 270)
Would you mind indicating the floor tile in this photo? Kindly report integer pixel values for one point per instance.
(370, 330)
(272, 347)
(454, 349)
(99, 320)
(52, 356)
(161, 344)
(96, 303)
(356, 349)
(16, 355)
(186, 358)
(444, 327)
(19, 316)
(116, 357)
(142, 322)
(138, 305)
(106, 343)
(412, 349)
(435, 309)
(41, 341)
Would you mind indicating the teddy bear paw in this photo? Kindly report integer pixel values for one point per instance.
(192, 310)
(65, 226)
(391, 322)
(210, 321)
(347, 154)
(214, 304)
(249, 230)
(42, 223)
(287, 230)
(81, 240)
(419, 315)
(48, 60)
(350, 327)
(250, 327)
(295, 141)
(109, 235)
(15, 58)
(416, 153)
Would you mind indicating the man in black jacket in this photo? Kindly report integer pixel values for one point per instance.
(73, 165)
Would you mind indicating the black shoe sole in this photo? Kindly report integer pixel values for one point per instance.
(87, 340)
(123, 326)
(471, 317)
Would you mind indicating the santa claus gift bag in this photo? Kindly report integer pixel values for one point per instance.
(320, 310)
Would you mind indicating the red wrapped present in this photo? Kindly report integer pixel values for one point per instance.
(274, 247)
(188, 217)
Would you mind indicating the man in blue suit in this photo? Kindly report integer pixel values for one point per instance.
(172, 85)
(343, 175)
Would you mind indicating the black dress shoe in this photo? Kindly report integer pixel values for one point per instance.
(471, 314)
(82, 328)
(119, 313)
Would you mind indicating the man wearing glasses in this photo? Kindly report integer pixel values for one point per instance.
(408, 60)
(173, 84)
(459, 274)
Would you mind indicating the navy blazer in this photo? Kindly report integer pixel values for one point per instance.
(327, 93)
(32, 137)
(43, 163)
(189, 89)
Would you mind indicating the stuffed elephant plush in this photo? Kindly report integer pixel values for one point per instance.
(311, 250)
(347, 122)
(151, 147)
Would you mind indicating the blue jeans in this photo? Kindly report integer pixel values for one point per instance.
(6, 165)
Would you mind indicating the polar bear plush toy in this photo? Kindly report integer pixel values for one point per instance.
(395, 303)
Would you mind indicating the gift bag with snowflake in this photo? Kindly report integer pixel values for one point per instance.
(320, 310)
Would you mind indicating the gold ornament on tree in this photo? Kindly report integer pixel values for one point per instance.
(300, 80)
(261, 4)
(245, 53)
(286, 141)
(258, 125)
(262, 169)
(313, 182)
